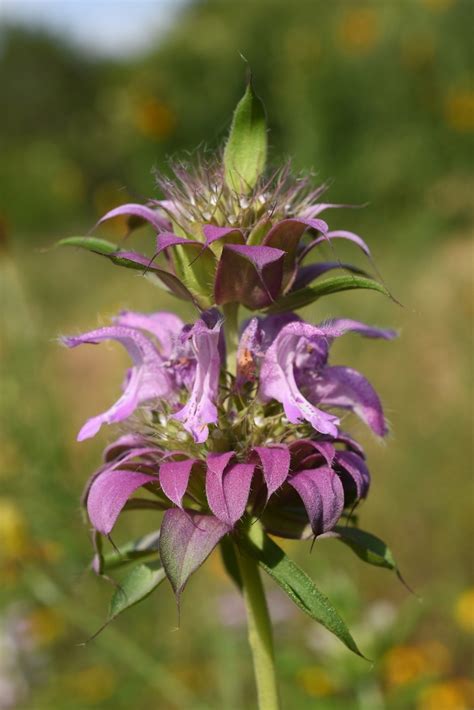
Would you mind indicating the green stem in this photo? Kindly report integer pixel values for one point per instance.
(231, 330)
(259, 633)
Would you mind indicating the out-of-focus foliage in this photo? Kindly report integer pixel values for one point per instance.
(376, 95)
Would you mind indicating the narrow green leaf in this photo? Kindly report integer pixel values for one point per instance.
(368, 547)
(99, 246)
(309, 294)
(141, 581)
(298, 586)
(139, 262)
(246, 148)
(129, 552)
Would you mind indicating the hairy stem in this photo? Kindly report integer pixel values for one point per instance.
(259, 631)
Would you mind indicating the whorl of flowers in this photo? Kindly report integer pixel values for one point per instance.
(235, 431)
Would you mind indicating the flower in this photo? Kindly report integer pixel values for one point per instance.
(295, 362)
(315, 480)
(182, 355)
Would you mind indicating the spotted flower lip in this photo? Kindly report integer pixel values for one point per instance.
(312, 478)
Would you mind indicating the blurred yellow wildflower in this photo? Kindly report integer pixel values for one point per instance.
(406, 664)
(358, 30)
(13, 530)
(92, 685)
(459, 110)
(456, 694)
(154, 118)
(315, 681)
(464, 610)
(45, 626)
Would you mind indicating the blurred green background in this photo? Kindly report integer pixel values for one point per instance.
(377, 96)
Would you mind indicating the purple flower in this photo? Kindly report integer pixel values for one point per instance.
(294, 370)
(297, 489)
(169, 360)
(226, 247)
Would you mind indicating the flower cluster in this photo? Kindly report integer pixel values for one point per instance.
(228, 429)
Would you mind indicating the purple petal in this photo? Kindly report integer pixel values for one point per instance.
(163, 325)
(186, 540)
(149, 215)
(339, 326)
(286, 235)
(248, 353)
(343, 387)
(322, 493)
(277, 379)
(340, 234)
(227, 486)
(212, 233)
(147, 379)
(313, 211)
(275, 462)
(325, 448)
(108, 494)
(174, 479)
(200, 409)
(122, 445)
(357, 470)
(250, 275)
(165, 240)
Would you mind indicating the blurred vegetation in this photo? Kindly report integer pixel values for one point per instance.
(375, 95)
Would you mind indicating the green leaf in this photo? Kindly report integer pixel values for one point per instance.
(120, 258)
(246, 148)
(309, 294)
(141, 581)
(368, 547)
(129, 552)
(298, 586)
(99, 246)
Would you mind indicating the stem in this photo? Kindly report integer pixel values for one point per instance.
(259, 632)
(231, 330)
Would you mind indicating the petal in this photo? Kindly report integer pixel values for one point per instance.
(343, 387)
(163, 325)
(287, 235)
(186, 540)
(275, 462)
(340, 326)
(212, 233)
(248, 352)
(228, 486)
(108, 494)
(200, 409)
(147, 380)
(250, 275)
(357, 474)
(322, 493)
(174, 479)
(277, 379)
(339, 234)
(135, 210)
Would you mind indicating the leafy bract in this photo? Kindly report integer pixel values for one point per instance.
(298, 586)
(305, 296)
(246, 148)
(141, 581)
